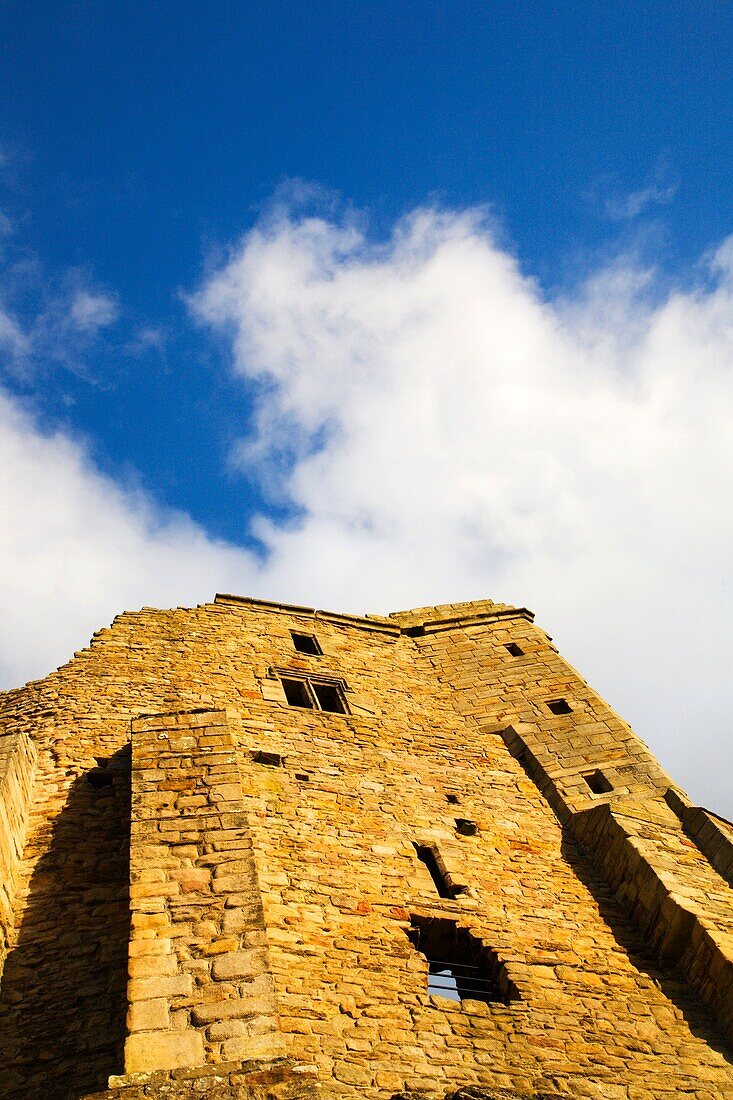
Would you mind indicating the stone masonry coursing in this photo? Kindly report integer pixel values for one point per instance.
(17, 766)
(227, 911)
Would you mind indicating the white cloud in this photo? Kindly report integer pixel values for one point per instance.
(90, 311)
(659, 189)
(446, 433)
(77, 548)
(626, 207)
(12, 338)
(443, 432)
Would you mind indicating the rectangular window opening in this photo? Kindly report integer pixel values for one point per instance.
(514, 649)
(269, 759)
(306, 643)
(329, 697)
(428, 857)
(297, 694)
(314, 694)
(452, 798)
(598, 783)
(559, 706)
(302, 777)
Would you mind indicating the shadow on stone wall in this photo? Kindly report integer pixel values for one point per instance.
(668, 979)
(63, 994)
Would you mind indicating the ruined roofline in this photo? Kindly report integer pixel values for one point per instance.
(411, 623)
(420, 620)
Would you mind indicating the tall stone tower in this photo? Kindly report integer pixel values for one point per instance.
(255, 850)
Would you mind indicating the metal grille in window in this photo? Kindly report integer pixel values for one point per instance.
(460, 967)
(314, 694)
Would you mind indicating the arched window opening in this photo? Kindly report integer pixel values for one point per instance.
(460, 967)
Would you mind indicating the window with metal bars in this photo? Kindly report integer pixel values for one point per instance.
(460, 967)
(314, 694)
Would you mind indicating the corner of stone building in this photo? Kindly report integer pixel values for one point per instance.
(18, 759)
(197, 921)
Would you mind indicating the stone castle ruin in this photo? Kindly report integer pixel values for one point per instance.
(256, 850)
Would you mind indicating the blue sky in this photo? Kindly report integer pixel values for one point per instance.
(146, 137)
(203, 207)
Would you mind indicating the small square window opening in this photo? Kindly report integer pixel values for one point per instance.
(559, 706)
(598, 783)
(306, 643)
(514, 649)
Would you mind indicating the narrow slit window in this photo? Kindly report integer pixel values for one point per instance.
(459, 966)
(514, 649)
(598, 783)
(559, 706)
(429, 859)
(269, 759)
(306, 643)
(297, 694)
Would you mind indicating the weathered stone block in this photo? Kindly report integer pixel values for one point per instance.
(148, 1015)
(239, 964)
(163, 1050)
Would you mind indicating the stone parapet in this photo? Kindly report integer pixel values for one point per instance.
(712, 834)
(672, 893)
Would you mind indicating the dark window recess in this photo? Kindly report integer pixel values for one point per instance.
(514, 649)
(559, 706)
(466, 827)
(302, 777)
(598, 783)
(270, 759)
(100, 777)
(452, 798)
(329, 697)
(314, 694)
(460, 967)
(297, 694)
(306, 643)
(441, 880)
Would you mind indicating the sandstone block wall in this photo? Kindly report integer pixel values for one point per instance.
(17, 765)
(263, 894)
